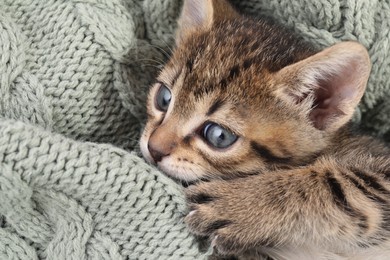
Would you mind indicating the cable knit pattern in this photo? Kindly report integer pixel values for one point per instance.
(75, 200)
(74, 77)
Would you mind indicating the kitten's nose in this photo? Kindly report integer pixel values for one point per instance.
(156, 153)
(158, 150)
(162, 142)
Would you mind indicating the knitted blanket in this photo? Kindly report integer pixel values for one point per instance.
(73, 81)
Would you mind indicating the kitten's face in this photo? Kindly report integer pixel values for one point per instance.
(213, 112)
(240, 96)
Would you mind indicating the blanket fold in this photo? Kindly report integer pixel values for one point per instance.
(77, 200)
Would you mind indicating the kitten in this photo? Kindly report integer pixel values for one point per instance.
(263, 116)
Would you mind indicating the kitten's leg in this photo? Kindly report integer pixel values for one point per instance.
(335, 208)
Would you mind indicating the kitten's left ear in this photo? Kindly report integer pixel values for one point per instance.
(201, 14)
(328, 85)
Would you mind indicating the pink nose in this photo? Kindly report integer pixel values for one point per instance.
(157, 153)
(162, 142)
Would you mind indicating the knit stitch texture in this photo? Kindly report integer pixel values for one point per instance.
(74, 75)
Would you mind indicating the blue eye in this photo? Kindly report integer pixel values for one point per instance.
(218, 136)
(163, 98)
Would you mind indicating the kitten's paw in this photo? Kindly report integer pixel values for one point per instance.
(216, 211)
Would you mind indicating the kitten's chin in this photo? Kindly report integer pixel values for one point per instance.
(179, 173)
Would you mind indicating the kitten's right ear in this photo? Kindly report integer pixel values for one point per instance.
(201, 14)
(327, 86)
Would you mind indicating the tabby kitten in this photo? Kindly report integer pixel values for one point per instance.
(263, 116)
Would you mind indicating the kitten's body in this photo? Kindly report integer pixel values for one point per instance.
(278, 110)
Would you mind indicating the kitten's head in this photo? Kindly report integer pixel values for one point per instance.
(239, 96)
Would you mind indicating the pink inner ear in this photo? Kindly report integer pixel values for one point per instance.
(194, 14)
(336, 96)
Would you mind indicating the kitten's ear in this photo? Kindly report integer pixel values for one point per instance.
(201, 14)
(328, 85)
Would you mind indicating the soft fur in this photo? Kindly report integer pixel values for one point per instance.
(298, 183)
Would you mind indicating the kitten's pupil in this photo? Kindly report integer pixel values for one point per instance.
(163, 98)
(218, 136)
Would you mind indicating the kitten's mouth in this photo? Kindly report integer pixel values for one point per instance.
(185, 183)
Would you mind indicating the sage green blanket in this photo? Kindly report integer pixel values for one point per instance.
(73, 81)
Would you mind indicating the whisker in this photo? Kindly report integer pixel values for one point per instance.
(158, 62)
(164, 52)
(166, 44)
(159, 67)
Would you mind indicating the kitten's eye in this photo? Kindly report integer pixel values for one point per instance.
(218, 136)
(163, 98)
